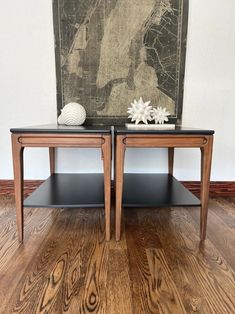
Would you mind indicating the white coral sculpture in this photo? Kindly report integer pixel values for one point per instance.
(140, 111)
(160, 115)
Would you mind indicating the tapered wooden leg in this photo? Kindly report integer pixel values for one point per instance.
(170, 160)
(114, 162)
(120, 153)
(206, 158)
(52, 159)
(17, 155)
(106, 152)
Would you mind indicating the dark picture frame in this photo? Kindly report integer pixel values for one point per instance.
(176, 39)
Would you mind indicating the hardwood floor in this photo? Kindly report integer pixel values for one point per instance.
(159, 266)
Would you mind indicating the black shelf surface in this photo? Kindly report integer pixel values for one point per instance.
(156, 190)
(69, 190)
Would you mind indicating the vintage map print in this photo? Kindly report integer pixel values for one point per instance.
(109, 52)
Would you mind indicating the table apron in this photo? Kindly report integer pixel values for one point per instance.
(63, 141)
(166, 141)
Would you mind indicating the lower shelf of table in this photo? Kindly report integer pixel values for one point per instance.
(87, 190)
(69, 190)
(156, 190)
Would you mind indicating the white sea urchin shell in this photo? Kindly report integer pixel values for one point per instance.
(160, 115)
(72, 114)
(140, 111)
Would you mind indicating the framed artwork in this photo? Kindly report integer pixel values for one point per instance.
(110, 52)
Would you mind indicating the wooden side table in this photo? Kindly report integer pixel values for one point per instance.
(159, 190)
(63, 190)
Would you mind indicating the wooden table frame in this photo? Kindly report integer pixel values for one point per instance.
(170, 141)
(52, 141)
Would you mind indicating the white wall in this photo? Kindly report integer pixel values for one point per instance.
(28, 90)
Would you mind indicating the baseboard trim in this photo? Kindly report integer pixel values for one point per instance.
(217, 188)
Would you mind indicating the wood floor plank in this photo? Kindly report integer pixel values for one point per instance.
(119, 298)
(146, 293)
(169, 300)
(51, 295)
(94, 292)
(139, 272)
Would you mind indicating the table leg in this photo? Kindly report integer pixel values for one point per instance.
(106, 152)
(17, 154)
(170, 160)
(52, 159)
(120, 153)
(206, 158)
(114, 163)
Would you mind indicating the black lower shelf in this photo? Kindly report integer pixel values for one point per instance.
(69, 190)
(87, 190)
(156, 190)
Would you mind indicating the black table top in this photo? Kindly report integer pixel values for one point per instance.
(54, 128)
(89, 129)
(178, 130)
